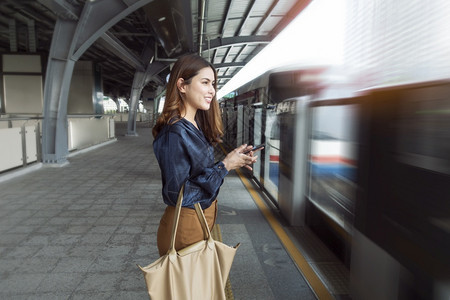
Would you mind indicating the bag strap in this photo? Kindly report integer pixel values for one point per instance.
(175, 220)
(200, 215)
(203, 221)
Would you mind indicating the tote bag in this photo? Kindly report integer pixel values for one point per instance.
(197, 272)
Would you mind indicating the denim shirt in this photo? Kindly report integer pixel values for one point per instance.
(185, 156)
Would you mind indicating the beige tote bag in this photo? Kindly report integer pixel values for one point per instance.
(197, 272)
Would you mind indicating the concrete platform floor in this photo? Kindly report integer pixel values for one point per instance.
(78, 231)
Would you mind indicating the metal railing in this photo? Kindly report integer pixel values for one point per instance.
(20, 139)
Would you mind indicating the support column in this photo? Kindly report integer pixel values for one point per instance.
(136, 91)
(139, 82)
(74, 33)
(56, 90)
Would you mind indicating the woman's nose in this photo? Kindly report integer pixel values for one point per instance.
(212, 90)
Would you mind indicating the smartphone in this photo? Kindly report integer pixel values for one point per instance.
(254, 148)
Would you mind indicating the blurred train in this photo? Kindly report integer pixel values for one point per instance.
(368, 171)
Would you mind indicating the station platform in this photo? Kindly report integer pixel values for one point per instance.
(78, 231)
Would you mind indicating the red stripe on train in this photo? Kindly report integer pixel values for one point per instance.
(332, 159)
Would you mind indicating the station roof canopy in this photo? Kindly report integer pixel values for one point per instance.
(229, 33)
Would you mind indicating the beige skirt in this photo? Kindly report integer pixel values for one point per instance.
(189, 229)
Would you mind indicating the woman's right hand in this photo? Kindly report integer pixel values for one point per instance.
(236, 159)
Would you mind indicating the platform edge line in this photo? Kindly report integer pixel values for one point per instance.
(311, 277)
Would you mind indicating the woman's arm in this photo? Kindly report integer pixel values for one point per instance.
(183, 163)
(185, 160)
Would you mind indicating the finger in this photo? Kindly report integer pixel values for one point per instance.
(241, 148)
(258, 149)
(252, 153)
(247, 149)
(248, 167)
(250, 162)
(251, 158)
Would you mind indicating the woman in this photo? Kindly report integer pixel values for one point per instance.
(185, 133)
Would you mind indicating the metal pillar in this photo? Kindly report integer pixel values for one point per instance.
(74, 33)
(139, 82)
(56, 90)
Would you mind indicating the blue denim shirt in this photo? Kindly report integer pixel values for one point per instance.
(185, 156)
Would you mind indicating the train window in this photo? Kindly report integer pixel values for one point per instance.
(289, 84)
(423, 131)
(333, 161)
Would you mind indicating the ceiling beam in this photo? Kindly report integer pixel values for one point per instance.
(238, 41)
(230, 65)
(246, 16)
(266, 16)
(227, 17)
(62, 8)
(240, 52)
(298, 7)
(114, 45)
(107, 13)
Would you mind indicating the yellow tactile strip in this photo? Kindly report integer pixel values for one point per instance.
(311, 277)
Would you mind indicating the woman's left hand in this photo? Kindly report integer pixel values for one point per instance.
(252, 155)
(237, 159)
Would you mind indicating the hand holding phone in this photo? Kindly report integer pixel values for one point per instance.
(254, 149)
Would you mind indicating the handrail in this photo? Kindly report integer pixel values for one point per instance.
(20, 118)
(24, 137)
(88, 116)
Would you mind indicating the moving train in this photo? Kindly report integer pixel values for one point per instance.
(368, 170)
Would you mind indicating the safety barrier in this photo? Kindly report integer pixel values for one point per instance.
(20, 137)
(86, 131)
(20, 140)
(140, 117)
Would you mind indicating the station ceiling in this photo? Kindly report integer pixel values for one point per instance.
(229, 33)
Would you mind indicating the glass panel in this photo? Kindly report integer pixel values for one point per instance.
(257, 140)
(332, 162)
(423, 131)
(272, 154)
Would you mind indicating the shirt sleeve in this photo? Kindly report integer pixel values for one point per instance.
(176, 166)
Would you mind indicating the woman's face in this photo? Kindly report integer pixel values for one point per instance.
(200, 92)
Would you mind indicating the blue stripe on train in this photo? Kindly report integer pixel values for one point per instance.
(321, 169)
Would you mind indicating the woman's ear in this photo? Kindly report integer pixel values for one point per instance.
(181, 85)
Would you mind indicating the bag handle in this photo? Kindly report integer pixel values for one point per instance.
(200, 215)
(203, 222)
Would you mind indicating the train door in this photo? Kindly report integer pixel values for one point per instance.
(332, 172)
(230, 130)
(332, 160)
(257, 139)
(247, 125)
(271, 153)
(244, 125)
(240, 126)
(293, 120)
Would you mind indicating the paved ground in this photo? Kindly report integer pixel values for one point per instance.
(78, 231)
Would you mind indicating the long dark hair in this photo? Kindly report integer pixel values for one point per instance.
(209, 121)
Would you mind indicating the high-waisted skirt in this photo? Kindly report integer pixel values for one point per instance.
(189, 228)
